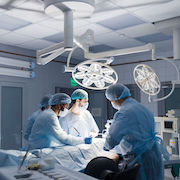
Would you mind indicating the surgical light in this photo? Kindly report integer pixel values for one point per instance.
(17, 73)
(146, 79)
(80, 8)
(16, 63)
(93, 74)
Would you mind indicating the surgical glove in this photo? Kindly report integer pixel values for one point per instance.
(105, 149)
(88, 140)
(78, 135)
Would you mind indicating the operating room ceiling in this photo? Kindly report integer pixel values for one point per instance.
(116, 25)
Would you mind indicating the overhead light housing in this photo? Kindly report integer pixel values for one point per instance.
(16, 73)
(80, 8)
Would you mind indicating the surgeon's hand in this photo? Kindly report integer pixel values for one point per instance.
(88, 140)
(105, 149)
(93, 134)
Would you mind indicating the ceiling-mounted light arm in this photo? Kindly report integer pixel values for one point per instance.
(67, 68)
(46, 55)
(173, 82)
(138, 49)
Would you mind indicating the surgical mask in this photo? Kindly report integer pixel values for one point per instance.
(84, 106)
(115, 106)
(63, 113)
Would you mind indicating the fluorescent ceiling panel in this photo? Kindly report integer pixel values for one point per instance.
(139, 30)
(11, 23)
(121, 22)
(14, 38)
(37, 31)
(125, 42)
(36, 44)
(100, 48)
(56, 38)
(153, 38)
(159, 12)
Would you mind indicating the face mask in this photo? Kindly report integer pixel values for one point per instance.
(63, 113)
(84, 106)
(115, 106)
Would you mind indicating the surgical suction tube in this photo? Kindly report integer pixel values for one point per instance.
(173, 83)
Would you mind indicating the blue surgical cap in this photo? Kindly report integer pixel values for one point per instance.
(79, 94)
(44, 101)
(60, 98)
(117, 91)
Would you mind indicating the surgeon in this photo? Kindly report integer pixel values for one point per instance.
(79, 121)
(47, 131)
(42, 106)
(133, 131)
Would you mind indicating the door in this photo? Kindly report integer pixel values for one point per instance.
(11, 117)
(98, 107)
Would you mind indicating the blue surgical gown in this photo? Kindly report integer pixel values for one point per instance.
(82, 124)
(47, 132)
(30, 123)
(133, 131)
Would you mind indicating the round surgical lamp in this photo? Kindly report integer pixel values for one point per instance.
(80, 8)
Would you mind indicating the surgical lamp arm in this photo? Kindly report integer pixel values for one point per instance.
(173, 82)
(48, 54)
(118, 52)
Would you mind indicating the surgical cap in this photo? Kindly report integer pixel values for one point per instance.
(79, 94)
(117, 91)
(60, 98)
(44, 101)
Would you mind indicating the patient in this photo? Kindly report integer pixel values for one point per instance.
(79, 121)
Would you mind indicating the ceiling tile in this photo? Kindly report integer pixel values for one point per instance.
(11, 23)
(32, 11)
(98, 29)
(37, 31)
(166, 45)
(53, 23)
(55, 38)
(153, 38)
(120, 22)
(159, 11)
(106, 37)
(139, 30)
(14, 38)
(2, 31)
(35, 44)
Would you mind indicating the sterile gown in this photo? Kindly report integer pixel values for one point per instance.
(47, 132)
(133, 131)
(81, 124)
(30, 123)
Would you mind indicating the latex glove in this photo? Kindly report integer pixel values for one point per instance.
(88, 140)
(105, 149)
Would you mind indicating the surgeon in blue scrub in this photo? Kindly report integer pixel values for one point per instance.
(42, 106)
(79, 121)
(133, 131)
(47, 132)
